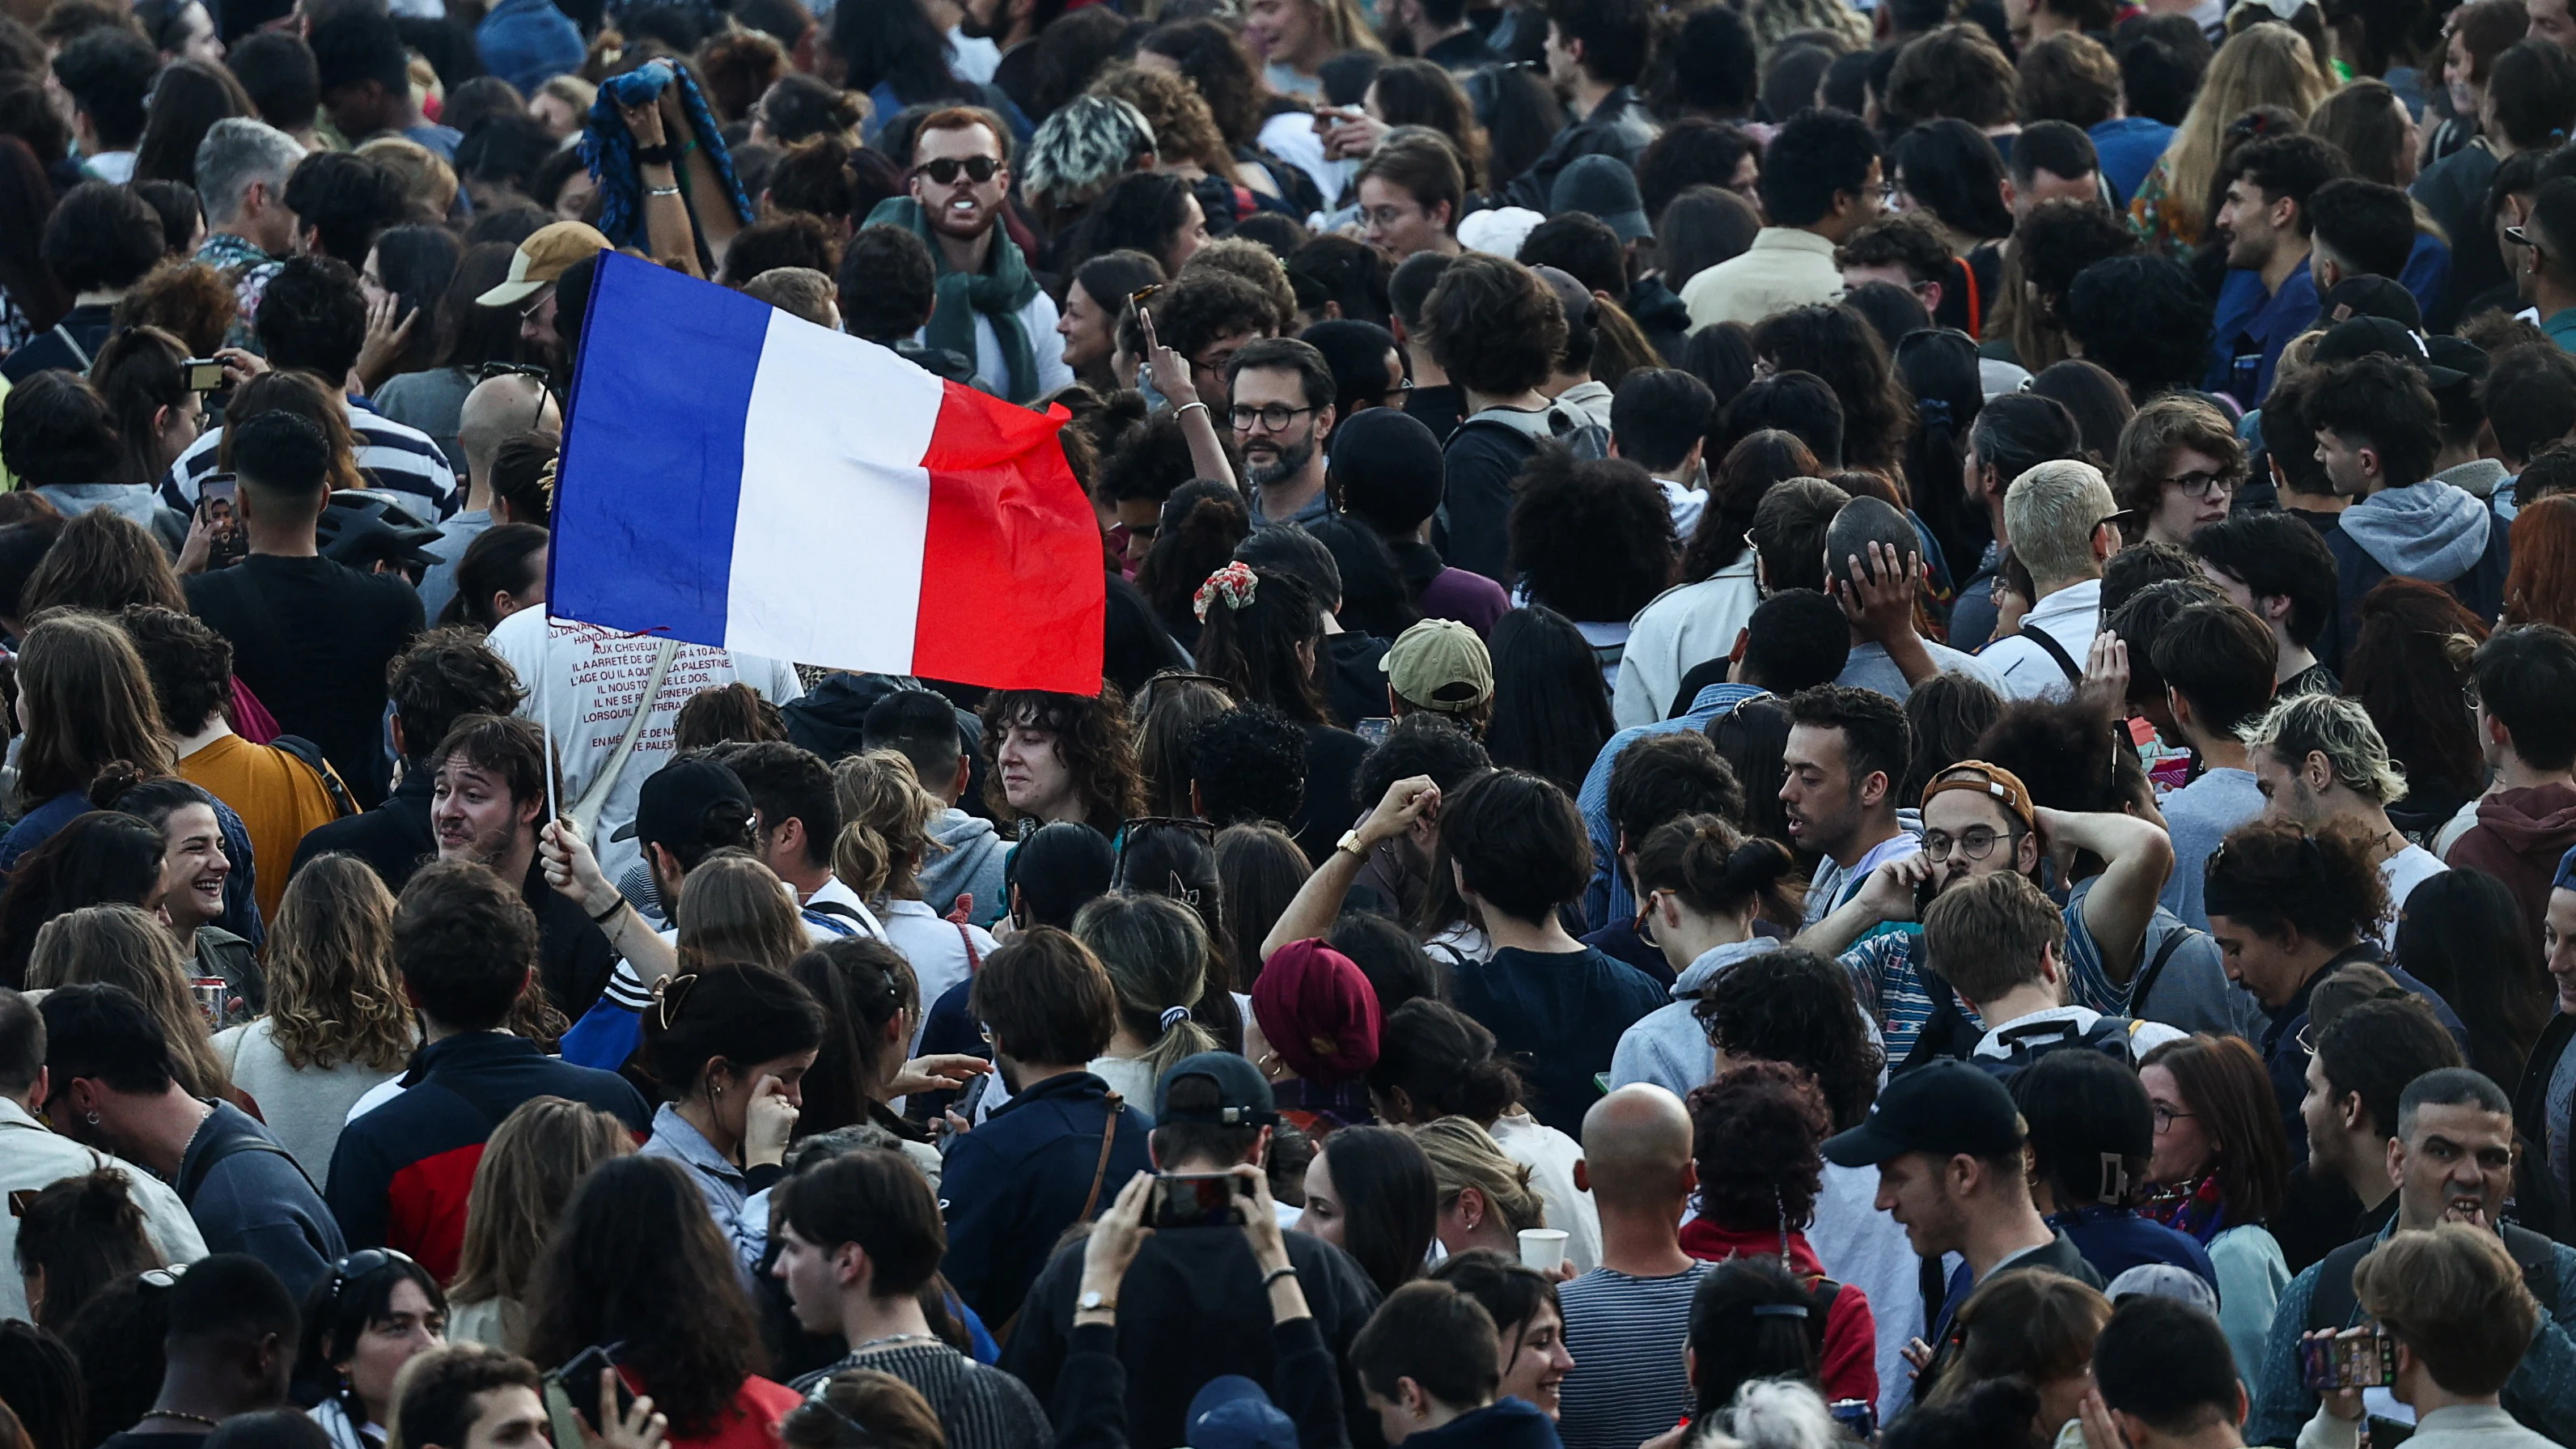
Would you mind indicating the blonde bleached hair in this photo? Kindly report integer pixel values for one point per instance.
(2050, 513)
(1463, 1155)
(2338, 728)
(2268, 65)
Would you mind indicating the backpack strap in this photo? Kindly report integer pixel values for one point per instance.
(2145, 980)
(2538, 1257)
(343, 804)
(2054, 650)
(195, 1177)
(2334, 1302)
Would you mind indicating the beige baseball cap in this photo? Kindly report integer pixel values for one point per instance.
(546, 255)
(1440, 664)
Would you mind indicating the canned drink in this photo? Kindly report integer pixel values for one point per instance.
(209, 993)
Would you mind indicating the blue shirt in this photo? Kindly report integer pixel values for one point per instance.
(2127, 149)
(2252, 327)
(2561, 327)
(2428, 270)
(1608, 899)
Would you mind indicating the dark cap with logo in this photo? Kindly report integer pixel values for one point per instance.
(1243, 1096)
(1945, 1108)
(671, 809)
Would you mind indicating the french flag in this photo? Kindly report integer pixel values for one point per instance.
(736, 476)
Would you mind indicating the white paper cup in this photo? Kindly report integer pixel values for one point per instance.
(1543, 1249)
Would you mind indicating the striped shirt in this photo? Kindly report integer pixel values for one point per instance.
(390, 456)
(980, 1406)
(1626, 1336)
(1888, 969)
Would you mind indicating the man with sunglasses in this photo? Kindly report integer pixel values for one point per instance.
(508, 401)
(112, 1083)
(1979, 820)
(990, 307)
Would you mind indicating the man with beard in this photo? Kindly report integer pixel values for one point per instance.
(486, 802)
(989, 306)
(1978, 820)
(1282, 414)
(2452, 1160)
(2268, 297)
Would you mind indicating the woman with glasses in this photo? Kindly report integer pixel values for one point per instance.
(729, 1047)
(2178, 468)
(375, 1312)
(2220, 1167)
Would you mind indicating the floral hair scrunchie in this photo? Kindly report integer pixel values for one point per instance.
(1234, 584)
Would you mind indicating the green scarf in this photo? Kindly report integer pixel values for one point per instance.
(997, 294)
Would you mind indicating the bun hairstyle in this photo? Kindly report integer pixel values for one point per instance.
(1443, 1061)
(861, 984)
(885, 824)
(82, 1233)
(1202, 522)
(1716, 869)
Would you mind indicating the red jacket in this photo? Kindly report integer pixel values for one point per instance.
(1850, 1365)
(2518, 839)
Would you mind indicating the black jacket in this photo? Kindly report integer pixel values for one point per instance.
(1619, 126)
(394, 839)
(2531, 1124)
(574, 959)
(1090, 1403)
(1190, 1309)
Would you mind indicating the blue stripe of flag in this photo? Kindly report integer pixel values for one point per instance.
(651, 477)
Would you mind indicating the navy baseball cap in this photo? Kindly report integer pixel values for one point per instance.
(1243, 1097)
(1233, 1412)
(1945, 1108)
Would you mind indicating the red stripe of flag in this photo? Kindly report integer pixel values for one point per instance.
(1011, 581)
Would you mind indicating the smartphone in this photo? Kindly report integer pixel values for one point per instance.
(205, 374)
(1924, 891)
(1373, 730)
(580, 1380)
(2351, 1361)
(219, 497)
(1201, 1200)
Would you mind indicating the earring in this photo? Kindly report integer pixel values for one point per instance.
(91, 1118)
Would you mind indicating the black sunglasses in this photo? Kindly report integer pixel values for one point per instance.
(978, 169)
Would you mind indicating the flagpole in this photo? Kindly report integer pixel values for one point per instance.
(545, 717)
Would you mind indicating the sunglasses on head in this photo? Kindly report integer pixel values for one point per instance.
(978, 169)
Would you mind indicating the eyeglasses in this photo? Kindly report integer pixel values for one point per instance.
(2203, 485)
(1974, 843)
(1645, 923)
(528, 313)
(1386, 218)
(1143, 294)
(1273, 418)
(1396, 394)
(2469, 696)
(2166, 1116)
(2520, 236)
(163, 1277)
(945, 170)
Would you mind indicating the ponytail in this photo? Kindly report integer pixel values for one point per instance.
(1155, 950)
(1717, 869)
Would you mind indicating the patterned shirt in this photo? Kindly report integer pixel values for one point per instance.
(981, 1407)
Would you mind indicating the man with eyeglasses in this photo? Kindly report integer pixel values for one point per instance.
(2178, 468)
(33, 1157)
(112, 1082)
(1282, 413)
(1979, 820)
(990, 306)
(2541, 272)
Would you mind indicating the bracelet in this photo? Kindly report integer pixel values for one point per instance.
(1275, 1274)
(610, 914)
(1185, 407)
(661, 191)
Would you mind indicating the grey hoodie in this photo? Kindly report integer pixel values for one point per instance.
(2477, 477)
(2430, 530)
(138, 502)
(972, 863)
(1667, 1046)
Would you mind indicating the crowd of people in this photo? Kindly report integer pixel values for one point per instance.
(1819, 724)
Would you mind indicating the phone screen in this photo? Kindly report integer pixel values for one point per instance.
(1200, 1199)
(219, 499)
(205, 374)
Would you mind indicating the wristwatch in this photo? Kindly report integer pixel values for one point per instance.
(1094, 1301)
(1351, 842)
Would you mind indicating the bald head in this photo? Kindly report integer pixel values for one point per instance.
(1637, 1147)
(497, 409)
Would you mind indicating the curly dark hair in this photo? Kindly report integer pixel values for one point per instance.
(1091, 733)
(634, 1240)
(2060, 749)
(1202, 521)
(1955, 72)
(1214, 61)
(1754, 1135)
(2324, 884)
(1839, 346)
(1792, 1005)
(792, 239)
(1493, 325)
(2061, 238)
(1249, 764)
(2144, 320)
(190, 665)
(1593, 539)
(1207, 304)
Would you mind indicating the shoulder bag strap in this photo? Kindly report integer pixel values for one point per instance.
(2145, 981)
(585, 811)
(974, 960)
(2054, 650)
(77, 350)
(1100, 1169)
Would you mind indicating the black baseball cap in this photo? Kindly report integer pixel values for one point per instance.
(2363, 336)
(1945, 1108)
(671, 809)
(1242, 1094)
(2369, 295)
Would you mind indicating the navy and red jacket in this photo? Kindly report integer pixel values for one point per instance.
(401, 1173)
